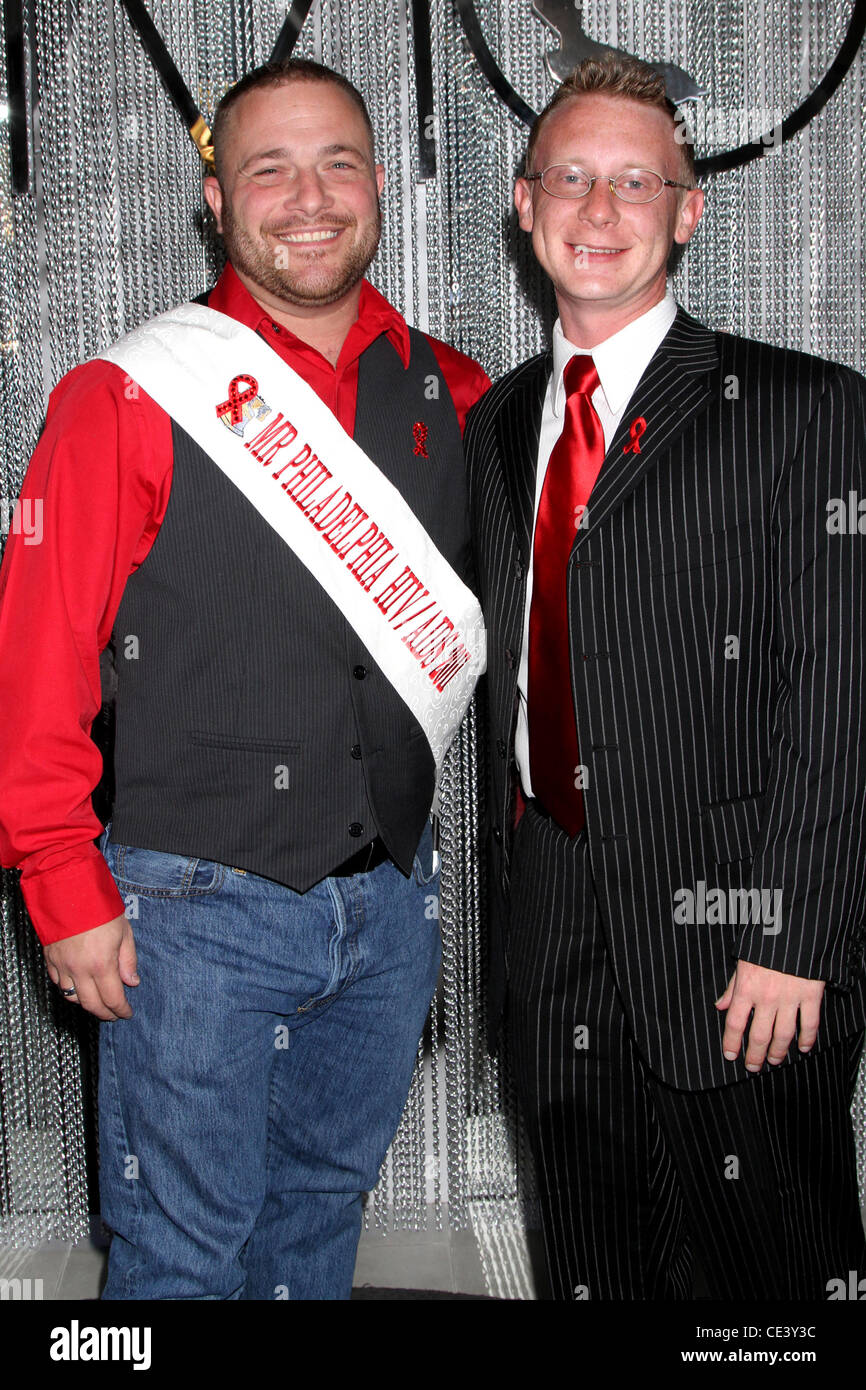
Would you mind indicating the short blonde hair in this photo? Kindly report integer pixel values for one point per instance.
(616, 75)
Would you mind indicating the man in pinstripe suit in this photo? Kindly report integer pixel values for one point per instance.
(676, 824)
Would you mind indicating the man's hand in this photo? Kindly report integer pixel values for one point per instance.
(98, 963)
(776, 999)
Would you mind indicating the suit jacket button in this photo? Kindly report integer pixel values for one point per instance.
(359, 672)
(356, 829)
(356, 750)
(501, 747)
(519, 568)
(510, 658)
(497, 835)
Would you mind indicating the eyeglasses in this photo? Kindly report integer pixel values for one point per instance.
(632, 185)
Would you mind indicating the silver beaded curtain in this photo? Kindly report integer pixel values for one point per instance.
(112, 231)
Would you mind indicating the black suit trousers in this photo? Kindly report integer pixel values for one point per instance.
(756, 1179)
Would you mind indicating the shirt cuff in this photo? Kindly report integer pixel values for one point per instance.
(73, 898)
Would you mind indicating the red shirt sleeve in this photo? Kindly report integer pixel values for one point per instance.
(466, 381)
(92, 502)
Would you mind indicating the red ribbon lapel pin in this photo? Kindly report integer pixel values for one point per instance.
(419, 432)
(636, 429)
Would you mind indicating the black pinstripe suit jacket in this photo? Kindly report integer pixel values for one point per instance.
(716, 601)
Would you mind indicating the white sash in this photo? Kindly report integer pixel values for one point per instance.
(269, 432)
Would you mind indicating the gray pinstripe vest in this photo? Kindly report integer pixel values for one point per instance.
(253, 727)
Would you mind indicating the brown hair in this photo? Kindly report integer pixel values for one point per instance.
(280, 75)
(616, 75)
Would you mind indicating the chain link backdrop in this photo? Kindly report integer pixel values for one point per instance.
(113, 232)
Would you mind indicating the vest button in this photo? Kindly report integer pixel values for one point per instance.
(356, 750)
(356, 829)
(359, 672)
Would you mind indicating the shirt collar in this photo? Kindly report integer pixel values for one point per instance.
(621, 359)
(375, 316)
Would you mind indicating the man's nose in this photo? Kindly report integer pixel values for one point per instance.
(600, 205)
(307, 191)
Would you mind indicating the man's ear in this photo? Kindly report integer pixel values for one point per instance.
(214, 195)
(380, 178)
(523, 203)
(689, 214)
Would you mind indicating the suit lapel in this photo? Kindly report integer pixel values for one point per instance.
(518, 428)
(674, 387)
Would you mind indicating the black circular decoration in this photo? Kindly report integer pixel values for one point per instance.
(711, 164)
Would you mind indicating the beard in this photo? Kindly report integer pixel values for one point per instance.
(314, 284)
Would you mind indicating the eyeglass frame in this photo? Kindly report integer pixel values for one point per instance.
(609, 179)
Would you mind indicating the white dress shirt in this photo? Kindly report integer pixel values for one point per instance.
(620, 362)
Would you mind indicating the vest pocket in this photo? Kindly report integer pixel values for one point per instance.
(277, 745)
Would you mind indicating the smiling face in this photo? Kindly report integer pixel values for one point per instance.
(606, 257)
(298, 207)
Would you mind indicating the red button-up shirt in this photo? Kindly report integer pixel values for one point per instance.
(93, 499)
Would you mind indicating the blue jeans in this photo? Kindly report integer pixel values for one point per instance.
(252, 1096)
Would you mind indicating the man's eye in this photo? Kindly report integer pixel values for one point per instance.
(268, 173)
(571, 178)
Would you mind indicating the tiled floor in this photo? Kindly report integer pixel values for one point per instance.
(421, 1260)
(438, 1260)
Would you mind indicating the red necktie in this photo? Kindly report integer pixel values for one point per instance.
(574, 464)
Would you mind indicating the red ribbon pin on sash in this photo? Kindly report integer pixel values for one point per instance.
(636, 430)
(419, 431)
(238, 399)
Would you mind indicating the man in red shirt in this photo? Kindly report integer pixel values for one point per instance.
(257, 928)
